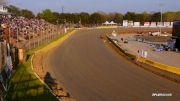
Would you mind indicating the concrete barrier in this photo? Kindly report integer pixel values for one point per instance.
(106, 27)
(164, 67)
(160, 66)
(131, 56)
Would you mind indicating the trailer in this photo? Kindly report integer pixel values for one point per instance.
(176, 33)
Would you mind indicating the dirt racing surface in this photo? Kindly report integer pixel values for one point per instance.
(91, 71)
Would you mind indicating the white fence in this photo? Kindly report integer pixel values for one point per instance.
(127, 23)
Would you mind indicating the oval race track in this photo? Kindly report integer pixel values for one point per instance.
(92, 71)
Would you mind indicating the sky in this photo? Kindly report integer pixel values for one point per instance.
(90, 6)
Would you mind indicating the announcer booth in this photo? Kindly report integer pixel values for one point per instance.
(176, 33)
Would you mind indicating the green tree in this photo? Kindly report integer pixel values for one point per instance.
(48, 16)
(156, 17)
(97, 18)
(118, 18)
(56, 18)
(62, 18)
(14, 10)
(27, 13)
(84, 17)
(169, 16)
(177, 16)
(74, 18)
(130, 16)
(142, 17)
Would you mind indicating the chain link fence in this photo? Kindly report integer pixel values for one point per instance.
(41, 37)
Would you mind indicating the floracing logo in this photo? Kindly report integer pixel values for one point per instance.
(161, 94)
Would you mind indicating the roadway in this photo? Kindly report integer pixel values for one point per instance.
(92, 71)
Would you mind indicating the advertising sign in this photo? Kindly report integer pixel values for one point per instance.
(130, 23)
(125, 23)
(146, 24)
(136, 24)
(153, 24)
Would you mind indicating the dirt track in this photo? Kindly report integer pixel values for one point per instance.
(91, 71)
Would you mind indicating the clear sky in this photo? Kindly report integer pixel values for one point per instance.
(121, 6)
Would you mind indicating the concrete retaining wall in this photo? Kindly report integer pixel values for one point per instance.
(160, 66)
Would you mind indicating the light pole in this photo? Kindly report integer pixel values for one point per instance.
(62, 9)
(161, 18)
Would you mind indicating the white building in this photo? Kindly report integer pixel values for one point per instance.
(3, 9)
(125, 23)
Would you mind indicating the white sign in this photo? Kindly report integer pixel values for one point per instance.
(130, 23)
(159, 24)
(167, 24)
(153, 24)
(171, 24)
(144, 54)
(65, 30)
(125, 23)
(136, 24)
(146, 24)
(114, 34)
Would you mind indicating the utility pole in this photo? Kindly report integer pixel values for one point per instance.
(161, 18)
(62, 9)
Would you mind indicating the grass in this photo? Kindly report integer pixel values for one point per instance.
(24, 85)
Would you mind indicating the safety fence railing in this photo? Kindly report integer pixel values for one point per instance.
(40, 37)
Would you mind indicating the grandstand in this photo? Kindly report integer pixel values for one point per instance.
(17, 32)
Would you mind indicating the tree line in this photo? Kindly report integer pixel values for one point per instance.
(95, 18)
